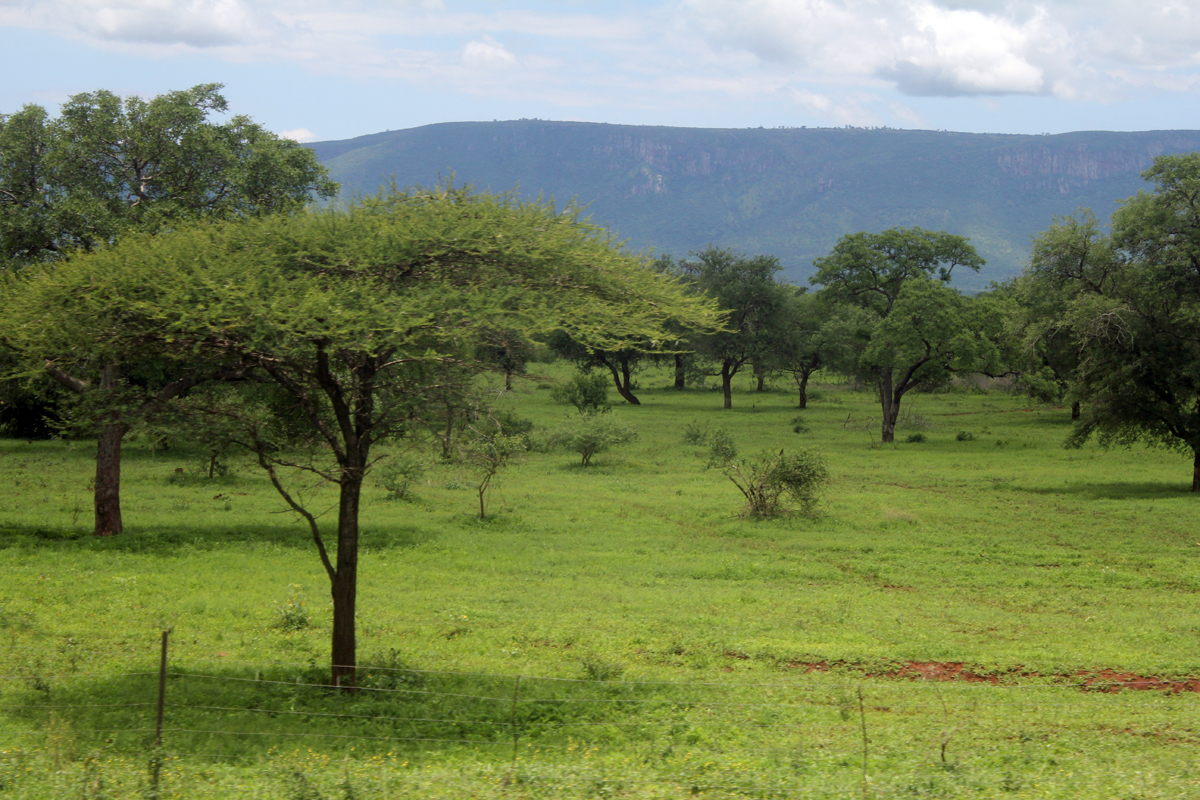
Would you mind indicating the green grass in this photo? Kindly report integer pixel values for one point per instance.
(1004, 552)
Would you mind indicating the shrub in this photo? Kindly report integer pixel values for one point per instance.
(798, 425)
(778, 483)
(721, 449)
(915, 438)
(590, 434)
(587, 391)
(598, 669)
(965, 436)
(695, 433)
(510, 424)
(490, 451)
(397, 474)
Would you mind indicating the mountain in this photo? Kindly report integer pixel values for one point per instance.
(789, 192)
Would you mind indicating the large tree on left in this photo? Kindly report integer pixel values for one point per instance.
(355, 314)
(108, 166)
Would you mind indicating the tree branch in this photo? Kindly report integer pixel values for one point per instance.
(265, 463)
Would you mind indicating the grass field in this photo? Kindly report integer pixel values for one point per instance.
(619, 630)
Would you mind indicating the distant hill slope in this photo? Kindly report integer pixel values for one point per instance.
(788, 192)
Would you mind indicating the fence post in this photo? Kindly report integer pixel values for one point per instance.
(862, 715)
(512, 720)
(156, 758)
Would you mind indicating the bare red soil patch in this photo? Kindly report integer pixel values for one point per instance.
(1108, 681)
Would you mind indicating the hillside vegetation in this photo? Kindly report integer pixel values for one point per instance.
(789, 192)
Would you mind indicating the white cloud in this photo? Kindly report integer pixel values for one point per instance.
(299, 135)
(832, 60)
(1065, 48)
(487, 53)
(960, 51)
(196, 23)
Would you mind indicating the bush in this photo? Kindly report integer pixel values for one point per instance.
(798, 425)
(965, 436)
(587, 391)
(593, 433)
(695, 433)
(777, 483)
(915, 438)
(397, 474)
(721, 449)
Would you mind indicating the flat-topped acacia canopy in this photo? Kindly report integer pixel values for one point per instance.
(347, 310)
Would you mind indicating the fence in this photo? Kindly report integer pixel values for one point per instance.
(857, 734)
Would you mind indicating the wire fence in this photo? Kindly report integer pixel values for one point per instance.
(239, 713)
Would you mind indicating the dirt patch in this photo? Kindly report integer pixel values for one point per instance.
(1107, 681)
(1111, 682)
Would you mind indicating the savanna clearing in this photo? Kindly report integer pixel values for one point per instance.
(980, 614)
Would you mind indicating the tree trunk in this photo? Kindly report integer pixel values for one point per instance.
(727, 383)
(1196, 472)
(760, 377)
(448, 435)
(344, 585)
(108, 479)
(680, 374)
(891, 407)
(802, 384)
(1075, 410)
(622, 378)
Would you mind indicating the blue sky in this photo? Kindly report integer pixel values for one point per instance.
(335, 69)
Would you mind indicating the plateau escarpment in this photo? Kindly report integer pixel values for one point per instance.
(790, 192)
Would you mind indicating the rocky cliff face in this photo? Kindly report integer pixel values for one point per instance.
(787, 192)
(1065, 166)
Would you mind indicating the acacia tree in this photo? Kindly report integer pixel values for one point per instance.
(109, 166)
(1134, 312)
(1070, 259)
(804, 344)
(746, 290)
(353, 313)
(911, 329)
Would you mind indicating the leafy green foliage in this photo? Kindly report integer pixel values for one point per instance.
(722, 449)
(491, 449)
(587, 391)
(106, 168)
(1132, 306)
(355, 314)
(397, 474)
(109, 165)
(776, 483)
(695, 433)
(591, 434)
(745, 289)
(904, 328)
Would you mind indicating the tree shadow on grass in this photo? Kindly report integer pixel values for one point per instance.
(1120, 490)
(170, 541)
(246, 713)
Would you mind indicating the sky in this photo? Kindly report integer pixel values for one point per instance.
(318, 70)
